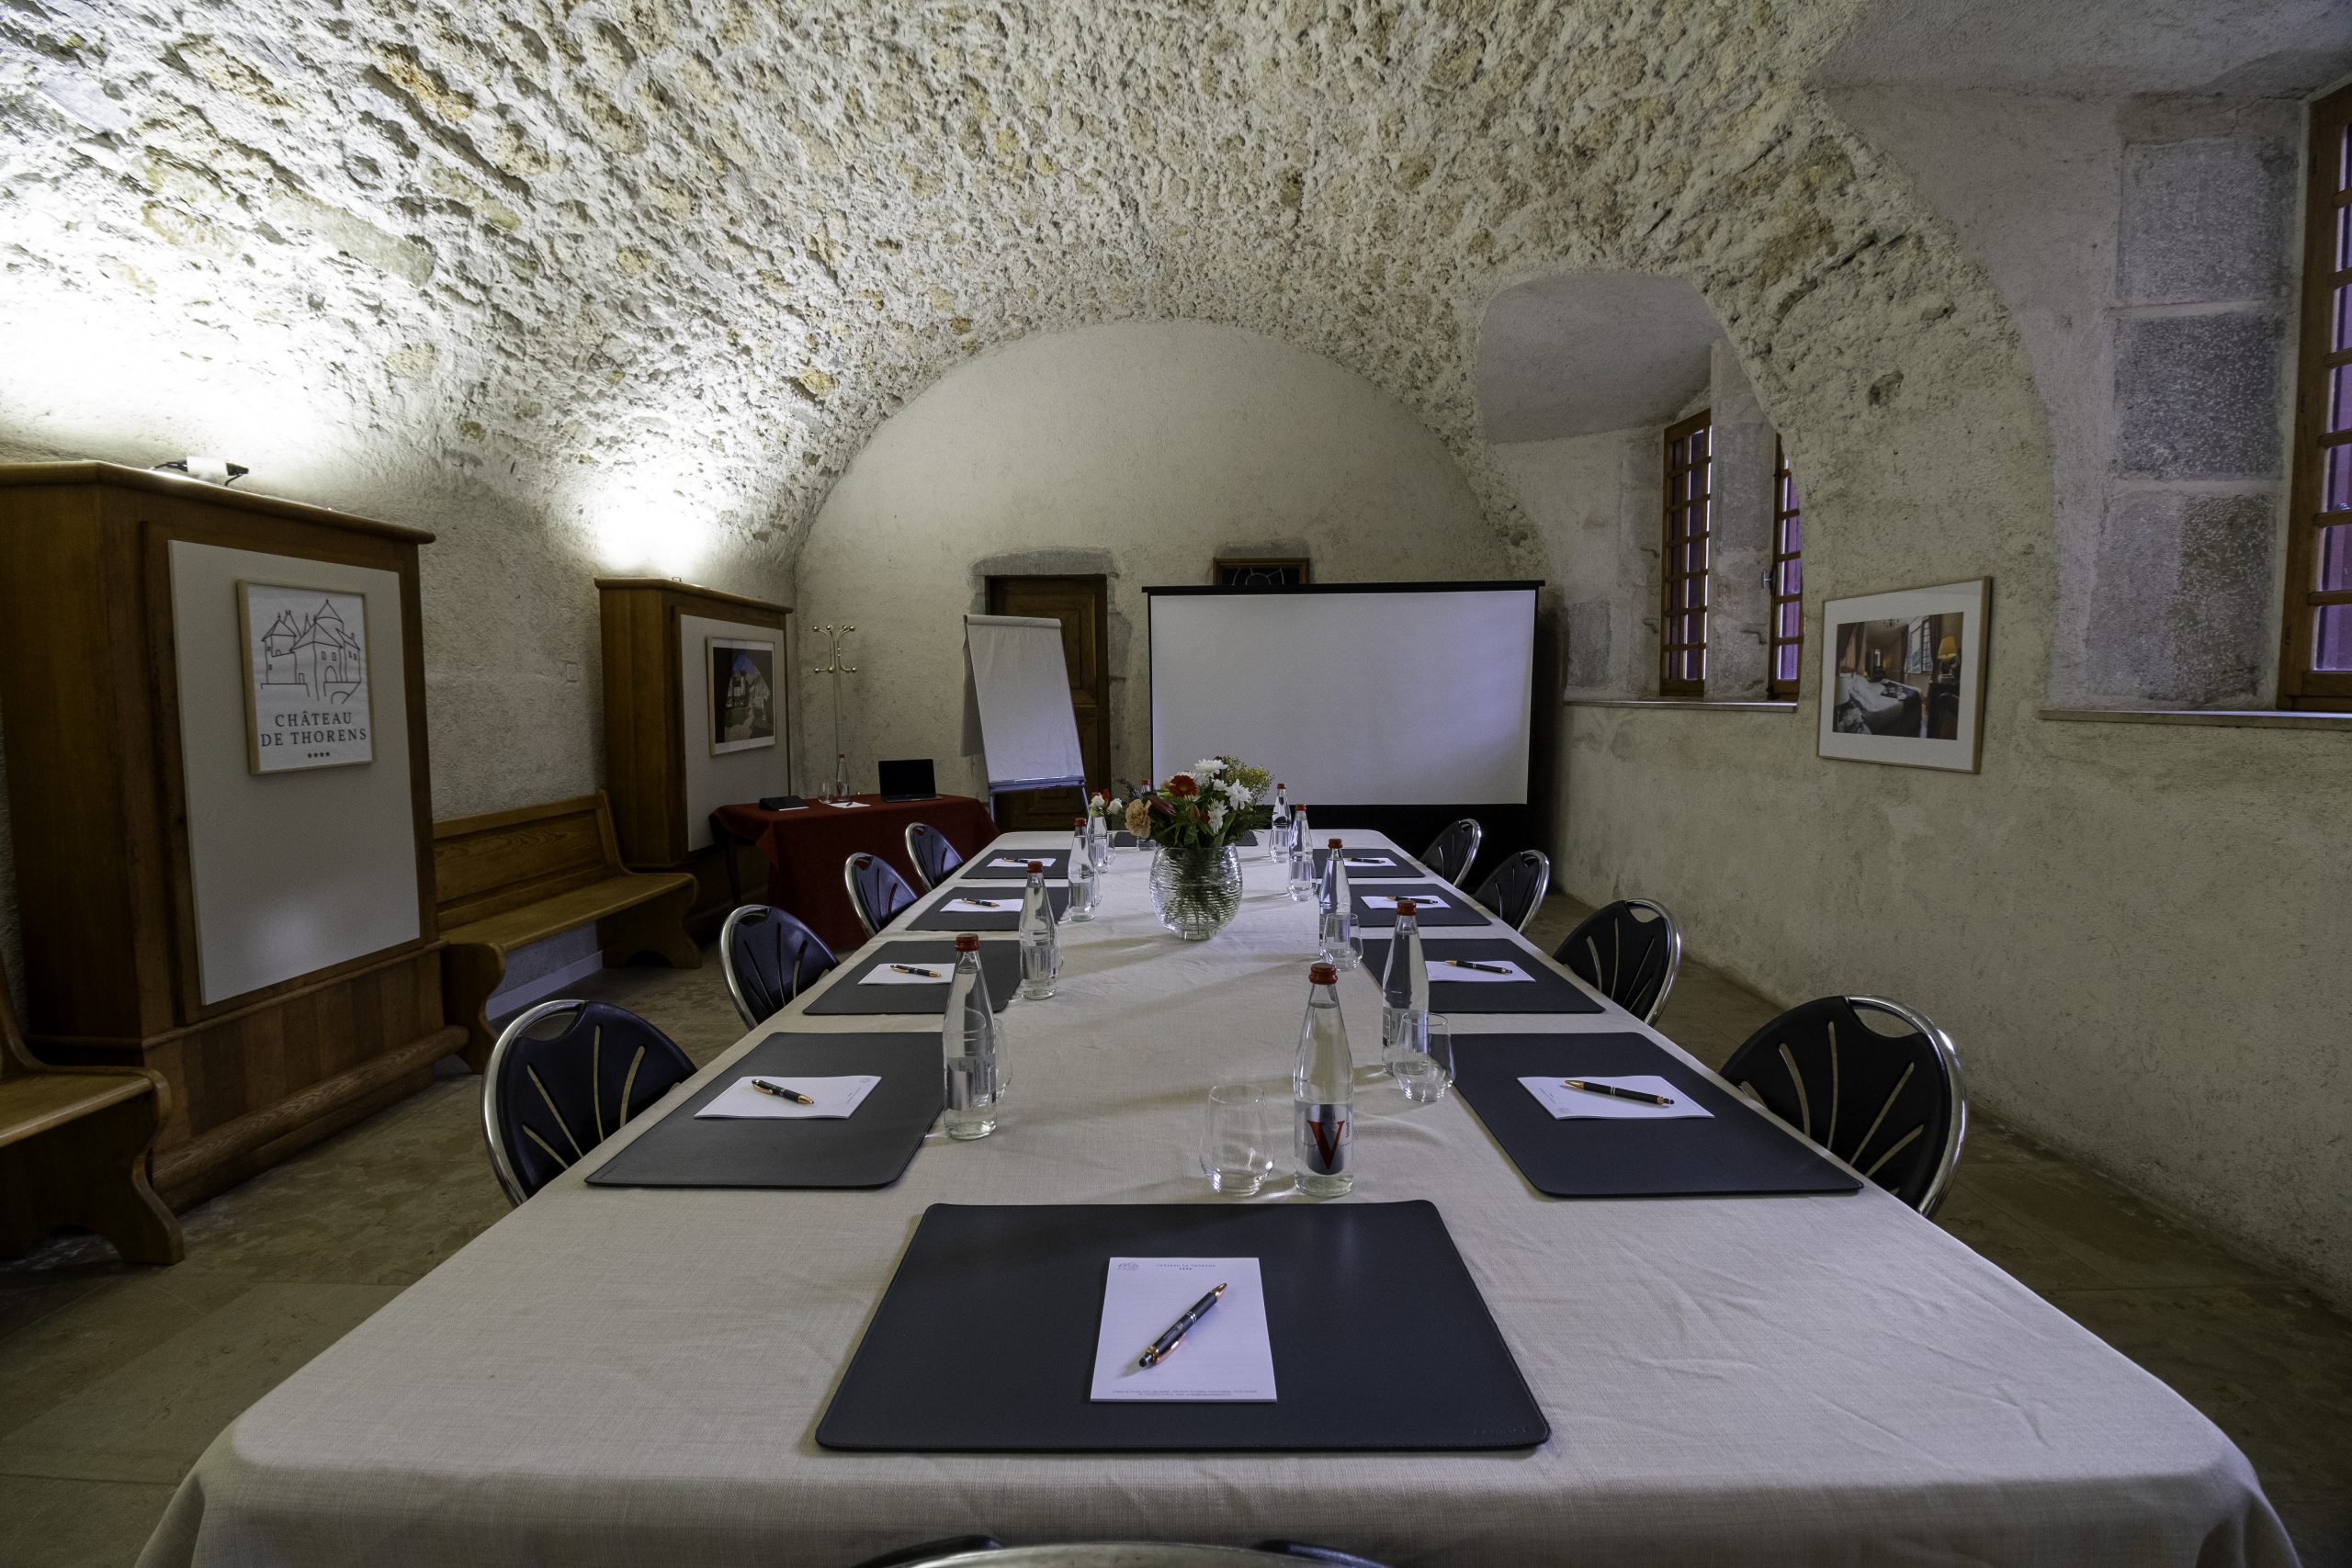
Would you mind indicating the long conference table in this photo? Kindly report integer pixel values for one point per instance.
(629, 1375)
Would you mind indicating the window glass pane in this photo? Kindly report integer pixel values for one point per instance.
(2336, 558)
(1789, 622)
(1796, 577)
(2342, 336)
(2339, 398)
(2335, 479)
(2344, 161)
(2332, 642)
(1788, 671)
(2342, 238)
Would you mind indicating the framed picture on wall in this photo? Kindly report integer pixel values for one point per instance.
(306, 698)
(1258, 572)
(742, 693)
(1903, 676)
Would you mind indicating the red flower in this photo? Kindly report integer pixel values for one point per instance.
(1182, 784)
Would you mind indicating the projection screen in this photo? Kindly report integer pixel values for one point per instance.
(1355, 693)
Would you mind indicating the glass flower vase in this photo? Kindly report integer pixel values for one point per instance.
(1195, 891)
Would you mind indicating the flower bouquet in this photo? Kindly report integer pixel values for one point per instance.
(1196, 818)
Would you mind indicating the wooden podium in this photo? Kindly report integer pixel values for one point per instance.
(663, 765)
(257, 928)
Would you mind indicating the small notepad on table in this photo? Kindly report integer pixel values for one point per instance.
(983, 906)
(1226, 1358)
(1566, 1103)
(1364, 860)
(835, 1098)
(847, 805)
(1456, 973)
(925, 975)
(1000, 864)
(1388, 901)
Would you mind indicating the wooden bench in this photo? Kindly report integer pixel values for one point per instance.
(510, 878)
(74, 1145)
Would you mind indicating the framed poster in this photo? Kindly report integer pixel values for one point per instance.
(742, 693)
(1903, 676)
(306, 698)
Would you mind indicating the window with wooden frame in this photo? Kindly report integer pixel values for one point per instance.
(1787, 642)
(2315, 669)
(1689, 496)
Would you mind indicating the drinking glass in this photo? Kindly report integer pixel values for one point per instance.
(1236, 1148)
(1421, 1058)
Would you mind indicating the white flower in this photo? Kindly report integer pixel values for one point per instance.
(1118, 806)
(1239, 794)
(1207, 768)
(1216, 816)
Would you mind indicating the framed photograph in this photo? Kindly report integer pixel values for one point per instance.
(1284, 571)
(743, 693)
(1903, 676)
(306, 678)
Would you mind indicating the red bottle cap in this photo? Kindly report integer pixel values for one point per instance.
(968, 943)
(1404, 908)
(1036, 867)
(1079, 823)
(1323, 975)
(1334, 843)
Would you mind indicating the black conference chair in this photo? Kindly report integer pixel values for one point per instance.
(1516, 889)
(930, 854)
(770, 958)
(1629, 952)
(1888, 1102)
(986, 1551)
(547, 1100)
(1453, 853)
(875, 892)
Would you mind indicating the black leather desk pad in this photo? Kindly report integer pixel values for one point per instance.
(939, 917)
(999, 961)
(1733, 1153)
(1459, 910)
(870, 1147)
(978, 869)
(984, 1341)
(1403, 871)
(1548, 992)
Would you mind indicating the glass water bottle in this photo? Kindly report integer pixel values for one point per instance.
(968, 1044)
(1041, 956)
(1278, 837)
(1323, 1093)
(1405, 998)
(1338, 932)
(1085, 880)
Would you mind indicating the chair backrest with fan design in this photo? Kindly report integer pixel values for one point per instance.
(770, 958)
(547, 1100)
(875, 892)
(1453, 853)
(930, 854)
(1629, 952)
(1517, 888)
(1891, 1105)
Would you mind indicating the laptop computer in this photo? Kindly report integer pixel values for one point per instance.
(908, 778)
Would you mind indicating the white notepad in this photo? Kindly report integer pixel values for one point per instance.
(1364, 860)
(1566, 1103)
(984, 906)
(929, 975)
(1226, 1358)
(1455, 973)
(835, 1098)
(847, 805)
(1388, 900)
(1046, 860)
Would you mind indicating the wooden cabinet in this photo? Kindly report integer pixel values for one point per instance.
(670, 758)
(265, 940)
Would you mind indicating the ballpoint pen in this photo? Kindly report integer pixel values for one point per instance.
(917, 969)
(1613, 1092)
(1473, 963)
(1178, 1329)
(781, 1092)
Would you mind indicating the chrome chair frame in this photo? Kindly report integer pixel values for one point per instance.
(1673, 953)
(727, 958)
(510, 1181)
(857, 899)
(1478, 836)
(915, 859)
(1543, 864)
(1948, 1057)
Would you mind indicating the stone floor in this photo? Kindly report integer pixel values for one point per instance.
(114, 1378)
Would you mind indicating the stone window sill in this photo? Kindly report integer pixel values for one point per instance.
(2241, 718)
(1704, 705)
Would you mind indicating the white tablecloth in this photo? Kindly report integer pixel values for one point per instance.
(613, 1376)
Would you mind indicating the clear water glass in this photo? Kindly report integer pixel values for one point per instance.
(1419, 1056)
(1301, 886)
(1237, 1140)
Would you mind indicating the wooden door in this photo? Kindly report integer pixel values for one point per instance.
(1082, 605)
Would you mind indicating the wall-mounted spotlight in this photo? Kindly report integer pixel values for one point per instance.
(211, 470)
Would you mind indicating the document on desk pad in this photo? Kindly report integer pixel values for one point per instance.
(836, 1097)
(984, 906)
(1457, 971)
(1566, 1103)
(1226, 1358)
(908, 974)
(1388, 900)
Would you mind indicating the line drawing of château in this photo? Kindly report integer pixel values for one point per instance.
(318, 653)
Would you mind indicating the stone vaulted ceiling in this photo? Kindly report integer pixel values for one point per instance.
(609, 253)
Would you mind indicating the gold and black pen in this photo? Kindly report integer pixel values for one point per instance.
(781, 1092)
(1177, 1330)
(1481, 968)
(916, 969)
(1613, 1092)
